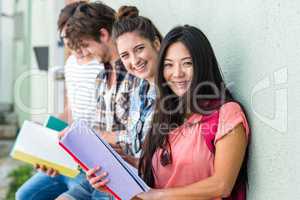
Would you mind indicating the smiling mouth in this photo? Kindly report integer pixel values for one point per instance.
(140, 68)
(180, 84)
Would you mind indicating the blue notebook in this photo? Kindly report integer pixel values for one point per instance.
(89, 150)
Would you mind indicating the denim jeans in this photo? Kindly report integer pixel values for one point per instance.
(43, 187)
(84, 191)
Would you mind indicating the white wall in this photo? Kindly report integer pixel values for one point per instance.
(34, 95)
(6, 45)
(44, 33)
(258, 47)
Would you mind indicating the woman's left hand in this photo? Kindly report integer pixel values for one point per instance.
(97, 182)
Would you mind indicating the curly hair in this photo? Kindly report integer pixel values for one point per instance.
(66, 13)
(86, 22)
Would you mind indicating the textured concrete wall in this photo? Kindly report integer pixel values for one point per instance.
(258, 47)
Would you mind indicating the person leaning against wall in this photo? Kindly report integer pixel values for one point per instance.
(80, 75)
(197, 148)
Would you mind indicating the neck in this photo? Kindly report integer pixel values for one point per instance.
(84, 60)
(151, 80)
(114, 56)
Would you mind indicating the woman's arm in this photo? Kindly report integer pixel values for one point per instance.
(229, 155)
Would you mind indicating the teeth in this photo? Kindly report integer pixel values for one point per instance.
(180, 84)
(141, 67)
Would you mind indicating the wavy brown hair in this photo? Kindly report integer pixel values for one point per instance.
(87, 21)
(66, 13)
(129, 20)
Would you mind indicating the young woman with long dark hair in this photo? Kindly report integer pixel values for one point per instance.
(199, 138)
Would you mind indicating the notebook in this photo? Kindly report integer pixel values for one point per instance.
(55, 123)
(89, 150)
(36, 144)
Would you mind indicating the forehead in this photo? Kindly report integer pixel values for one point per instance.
(130, 40)
(86, 41)
(176, 51)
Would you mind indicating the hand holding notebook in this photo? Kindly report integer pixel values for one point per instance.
(90, 151)
(56, 124)
(36, 144)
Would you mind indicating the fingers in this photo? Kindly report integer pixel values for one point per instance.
(62, 133)
(101, 184)
(52, 172)
(90, 173)
(49, 171)
(36, 166)
(97, 182)
(41, 168)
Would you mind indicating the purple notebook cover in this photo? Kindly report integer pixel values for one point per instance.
(89, 150)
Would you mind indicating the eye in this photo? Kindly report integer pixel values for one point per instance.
(188, 64)
(139, 49)
(124, 56)
(167, 65)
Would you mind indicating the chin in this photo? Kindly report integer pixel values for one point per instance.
(180, 93)
(143, 75)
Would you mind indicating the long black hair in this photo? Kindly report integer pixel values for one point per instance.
(206, 94)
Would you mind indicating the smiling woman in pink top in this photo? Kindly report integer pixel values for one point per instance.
(197, 148)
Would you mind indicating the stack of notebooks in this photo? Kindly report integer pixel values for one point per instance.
(37, 144)
(89, 150)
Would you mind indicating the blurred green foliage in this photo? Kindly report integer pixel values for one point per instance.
(18, 177)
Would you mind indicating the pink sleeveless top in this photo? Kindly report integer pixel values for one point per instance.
(192, 161)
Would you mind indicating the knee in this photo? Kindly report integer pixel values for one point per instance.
(21, 194)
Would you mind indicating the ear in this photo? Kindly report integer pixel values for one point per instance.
(156, 44)
(104, 35)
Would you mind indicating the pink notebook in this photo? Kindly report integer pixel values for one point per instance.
(89, 150)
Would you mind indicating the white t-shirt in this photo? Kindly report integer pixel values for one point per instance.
(81, 88)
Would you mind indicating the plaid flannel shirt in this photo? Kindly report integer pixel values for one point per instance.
(120, 101)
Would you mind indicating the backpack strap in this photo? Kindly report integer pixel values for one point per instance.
(209, 129)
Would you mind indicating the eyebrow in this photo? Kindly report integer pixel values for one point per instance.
(137, 46)
(185, 58)
(124, 52)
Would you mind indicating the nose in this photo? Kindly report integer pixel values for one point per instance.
(178, 71)
(135, 60)
(84, 51)
(78, 53)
